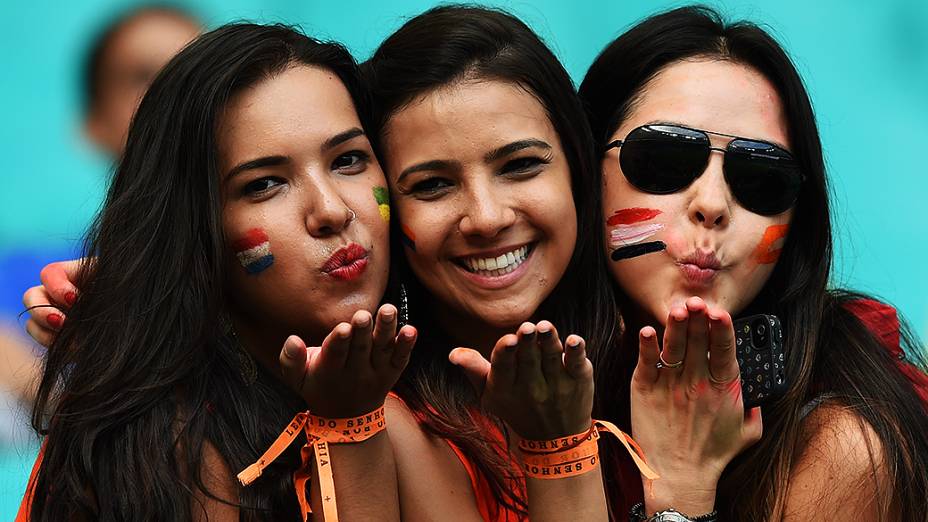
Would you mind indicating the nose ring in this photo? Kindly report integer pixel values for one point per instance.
(351, 215)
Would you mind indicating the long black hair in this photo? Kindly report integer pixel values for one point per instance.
(146, 374)
(829, 349)
(436, 49)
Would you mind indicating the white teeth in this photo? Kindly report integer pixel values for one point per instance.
(497, 266)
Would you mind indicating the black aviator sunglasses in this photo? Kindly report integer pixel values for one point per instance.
(663, 159)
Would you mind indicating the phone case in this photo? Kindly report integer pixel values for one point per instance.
(759, 343)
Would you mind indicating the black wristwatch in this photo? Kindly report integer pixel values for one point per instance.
(637, 514)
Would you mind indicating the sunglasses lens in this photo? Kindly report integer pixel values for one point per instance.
(662, 159)
(763, 177)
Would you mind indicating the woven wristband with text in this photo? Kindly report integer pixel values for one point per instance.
(320, 432)
(576, 454)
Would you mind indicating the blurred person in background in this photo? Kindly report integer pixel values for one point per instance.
(121, 61)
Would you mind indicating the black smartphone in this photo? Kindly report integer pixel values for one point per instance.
(759, 343)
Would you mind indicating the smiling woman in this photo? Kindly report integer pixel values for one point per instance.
(490, 166)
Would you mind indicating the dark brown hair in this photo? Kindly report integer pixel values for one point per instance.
(438, 48)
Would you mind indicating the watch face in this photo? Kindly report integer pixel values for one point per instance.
(671, 516)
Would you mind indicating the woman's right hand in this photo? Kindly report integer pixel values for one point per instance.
(689, 419)
(48, 302)
(352, 371)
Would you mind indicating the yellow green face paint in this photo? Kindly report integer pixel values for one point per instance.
(383, 202)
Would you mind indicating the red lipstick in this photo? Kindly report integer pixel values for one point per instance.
(347, 263)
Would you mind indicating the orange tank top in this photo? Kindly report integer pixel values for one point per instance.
(490, 509)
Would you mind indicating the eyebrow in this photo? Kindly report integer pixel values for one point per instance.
(267, 161)
(428, 165)
(489, 157)
(342, 137)
(515, 146)
(276, 161)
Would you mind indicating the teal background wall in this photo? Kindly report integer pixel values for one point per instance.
(866, 65)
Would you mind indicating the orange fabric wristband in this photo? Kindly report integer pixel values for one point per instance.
(320, 432)
(576, 454)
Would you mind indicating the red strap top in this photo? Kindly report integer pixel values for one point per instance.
(490, 510)
(882, 321)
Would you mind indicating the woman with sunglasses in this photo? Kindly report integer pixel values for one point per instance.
(715, 187)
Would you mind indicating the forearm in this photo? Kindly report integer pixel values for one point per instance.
(580, 497)
(364, 474)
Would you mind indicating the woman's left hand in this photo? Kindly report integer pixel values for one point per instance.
(540, 389)
(687, 413)
(354, 368)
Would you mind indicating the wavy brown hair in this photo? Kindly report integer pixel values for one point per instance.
(144, 374)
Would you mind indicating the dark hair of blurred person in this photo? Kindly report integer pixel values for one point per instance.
(122, 61)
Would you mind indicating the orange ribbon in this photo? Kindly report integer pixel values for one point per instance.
(576, 454)
(320, 432)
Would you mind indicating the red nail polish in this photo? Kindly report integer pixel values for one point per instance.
(55, 320)
(70, 297)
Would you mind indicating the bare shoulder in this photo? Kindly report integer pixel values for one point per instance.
(432, 480)
(839, 468)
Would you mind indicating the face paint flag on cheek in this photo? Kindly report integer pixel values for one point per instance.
(629, 230)
(409, 239)
(630, 251)
(383, 202)
(765, 253)
(253, 251)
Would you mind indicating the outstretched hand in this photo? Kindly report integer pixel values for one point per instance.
(540, 389)
(354, 368)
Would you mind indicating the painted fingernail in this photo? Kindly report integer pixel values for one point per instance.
(70, 297)
(55, 320)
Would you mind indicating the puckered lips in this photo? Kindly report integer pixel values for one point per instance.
(700, 267)
(347, 263)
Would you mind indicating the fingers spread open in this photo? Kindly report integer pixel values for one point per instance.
(359, 349)
(723, 363)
